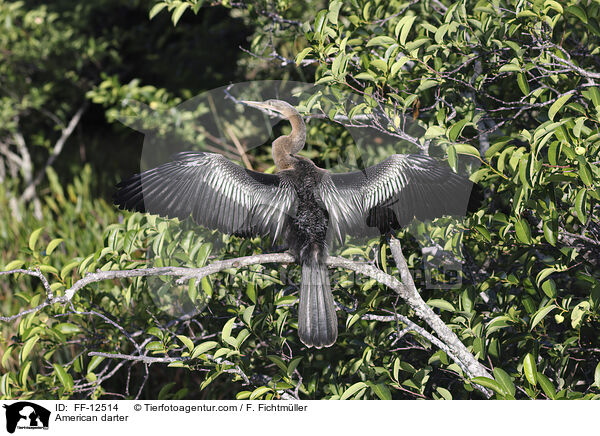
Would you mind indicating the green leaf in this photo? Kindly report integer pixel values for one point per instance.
(34, 237)
(67, 328)
(509, 67)
(467, 149)
(334, 10)
(320, 21)
(381, 40)
(7, 355)
(580, 205)
(584, 171)
(155, 346)
(203, 348)
(382, 391)
(300, 57)
(439, 34)
(484, 232)
(523, 84)
(5, 382)
(526, 13)
(457, 129)
(396, 66)
(24, 372)
(540, 314)
(155, 331)
(28, 346)
(293, 365)
(579, 124)
(325, 79)
(597, 376)
(523, 231)
(549, 288)
(546, 386)
(156, 9)
(426, 84)
(498, 323)
(15, 264)
(489, 383)
(247, 315)
(441, 304)
(48, 269)
(554, 5)
(94, 362)
(445, 393)
(434, 132)
(505, 381)
(52, 245)
(258, 392)
(226, 332)
(549, 231)
(529, 368)
(403, 27)
(68, 268)
(365, 76)
(578, 12)
(187, 342)
(543, 274)
(578, 312)
(279, 362)
(452, 158)
(65, 379)
(495, 148)
(178, 12)
(380, 64)
(557, 105)
(251, 291)
(353, 390)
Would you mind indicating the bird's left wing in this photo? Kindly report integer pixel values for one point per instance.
(389, 195)
(217, 193)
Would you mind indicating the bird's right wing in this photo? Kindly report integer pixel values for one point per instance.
(217, 193)
(389, 195)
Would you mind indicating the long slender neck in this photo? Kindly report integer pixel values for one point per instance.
(285, 147)
(298, 135)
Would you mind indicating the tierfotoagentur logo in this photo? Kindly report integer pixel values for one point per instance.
(25, 415)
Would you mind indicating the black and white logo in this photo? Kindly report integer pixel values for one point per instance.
(26, 415)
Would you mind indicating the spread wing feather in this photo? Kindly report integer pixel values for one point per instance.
(390, 194)
(217, 193)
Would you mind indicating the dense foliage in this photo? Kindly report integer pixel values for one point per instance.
(508, 87)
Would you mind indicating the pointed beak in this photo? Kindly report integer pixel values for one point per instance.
(260, 105)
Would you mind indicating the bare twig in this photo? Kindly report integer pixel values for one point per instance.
(29, 191)
(240, 148)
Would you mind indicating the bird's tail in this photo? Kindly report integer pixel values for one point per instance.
(317, 321)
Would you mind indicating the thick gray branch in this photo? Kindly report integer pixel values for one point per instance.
(447, 341)
(459, 352)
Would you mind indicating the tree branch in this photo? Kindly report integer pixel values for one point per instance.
(29, 191)
(447, 340)
(459, 352)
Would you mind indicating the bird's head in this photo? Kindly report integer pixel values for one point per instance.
(279, 106)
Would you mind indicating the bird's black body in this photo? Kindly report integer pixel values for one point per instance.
(307, 229)
(302, 205)
(307, 237)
